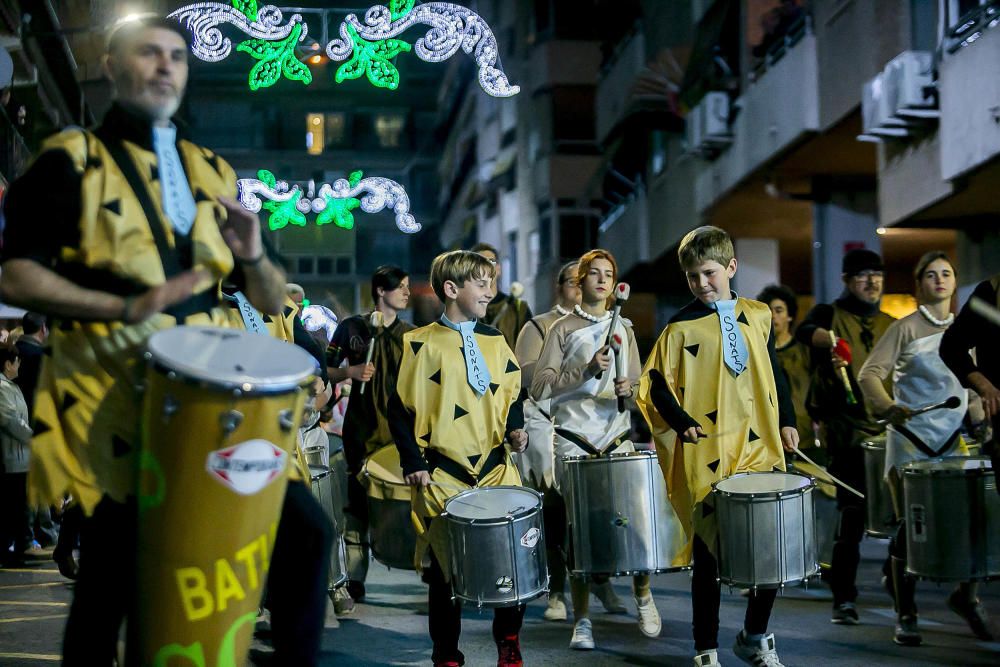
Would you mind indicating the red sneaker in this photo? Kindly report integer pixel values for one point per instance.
(448, 663)
(509, 652)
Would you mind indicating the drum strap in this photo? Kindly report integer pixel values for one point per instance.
(924, 447)
(583, 444)
(436, 460)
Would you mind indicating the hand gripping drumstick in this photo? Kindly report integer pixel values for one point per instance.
(376, 322)
(843, 370)
(616, 347)
(951, 403)
(622, 291)
(832, 478)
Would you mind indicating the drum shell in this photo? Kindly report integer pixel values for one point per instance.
(391, 536)
(621, 520)
(197, 530)
(880, 517)
(766, 540)
(491, 566)
(952, 521)
(323, 489)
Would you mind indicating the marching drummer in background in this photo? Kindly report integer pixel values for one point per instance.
(576, 374)
(143, 228)
(908, 355)
(506, 313)
(456, 402)
(366, 428)
(841, 335)
(718, 404)
(536, 463)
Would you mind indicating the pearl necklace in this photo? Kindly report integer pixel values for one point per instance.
(933, 320)
(587, 316)
(562, 311)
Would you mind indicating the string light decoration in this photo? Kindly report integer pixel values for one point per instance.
(332, 203)
(368, 48)
(452, 27)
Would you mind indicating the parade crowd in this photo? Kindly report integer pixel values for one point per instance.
(424, 435)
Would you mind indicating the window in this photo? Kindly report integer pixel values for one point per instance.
(324, 266)
(389, 127)
(315, 133)
(336, 129)
(344, 265)
(305, 265)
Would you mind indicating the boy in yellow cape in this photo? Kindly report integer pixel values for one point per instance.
(718, 405)
(456, 401)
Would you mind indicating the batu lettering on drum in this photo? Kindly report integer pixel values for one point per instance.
(201, 599)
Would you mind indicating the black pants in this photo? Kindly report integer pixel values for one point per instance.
(847, 463)
(105, 590)
(14, 525)
(706, 593)
(444, 617)
(554, 515)
(69, 532)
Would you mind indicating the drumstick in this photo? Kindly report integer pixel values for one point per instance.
(376, 322)
(832, 478)
(950, 403)
(616, 347)
(985, 310)
(622, 292)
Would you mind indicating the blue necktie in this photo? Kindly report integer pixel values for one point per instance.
(476, 371)
(178, 202)
(734, 347)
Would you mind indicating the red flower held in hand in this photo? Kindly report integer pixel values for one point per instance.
(842, 350)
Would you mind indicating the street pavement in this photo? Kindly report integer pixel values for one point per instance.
(390, 628)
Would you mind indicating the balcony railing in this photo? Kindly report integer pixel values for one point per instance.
(972, 26)
(796, 31)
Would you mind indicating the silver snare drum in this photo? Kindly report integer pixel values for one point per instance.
(766, 529)
(497, 545)
(621, 521)
(321, 483)
(952, 519)
(880, 518)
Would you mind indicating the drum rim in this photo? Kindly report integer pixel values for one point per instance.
(766, 494)
(874, 445)
(507, 518)
(618, 456)
(285, 384)
(913, 469)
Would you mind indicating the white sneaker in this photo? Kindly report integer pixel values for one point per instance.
(759, 654)
(649, 617)
(583, 636)
(707, 659)
(606, 594)
(556, 609)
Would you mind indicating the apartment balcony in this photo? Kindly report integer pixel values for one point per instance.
(616, 84)
(560, 176)
(562, 63)
(777, 110)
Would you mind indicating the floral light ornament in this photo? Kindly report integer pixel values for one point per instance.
(332, 203)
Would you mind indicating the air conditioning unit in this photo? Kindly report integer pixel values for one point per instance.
(707, 125)
(877, 120)
(909, 84)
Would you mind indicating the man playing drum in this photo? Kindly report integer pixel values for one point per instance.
(366, 428)
(536, 463)
(841, 335)
(456, 402)
(586, 407)
(141, 229)
(907, 354)
(718, 404)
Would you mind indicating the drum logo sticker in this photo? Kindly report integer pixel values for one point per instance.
(248, 467)
(918, 523)
(530, 538)
(505, 584)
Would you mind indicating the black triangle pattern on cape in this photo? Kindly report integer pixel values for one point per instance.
(474, 459)
(288, 311)
(93, 162)
(200, 196)
(706, 510)
(115, 206)
(714, 417)
(69, 400)
(426, 437)
(494, 387)
(511, 366)
(753, 436)
(714, 465)
(119, 446)
(39, 427)
(415, 345)
(460, 411)
(154, 173)
(436, 377)
(693, 349)
(742, 319)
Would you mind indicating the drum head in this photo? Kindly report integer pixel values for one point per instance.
(949, 465)
(763, 482)
(384, 465)
(231, 359)
(492, 502)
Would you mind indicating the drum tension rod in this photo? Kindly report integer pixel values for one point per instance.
(230, 420)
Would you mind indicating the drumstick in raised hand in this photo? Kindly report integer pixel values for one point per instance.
(616, 347)
(951, 403)
(622, 291)
(376, 322)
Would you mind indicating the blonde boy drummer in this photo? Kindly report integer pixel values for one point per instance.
(585, 406)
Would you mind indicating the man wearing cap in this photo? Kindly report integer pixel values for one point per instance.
(140, 228)
(841, 335)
